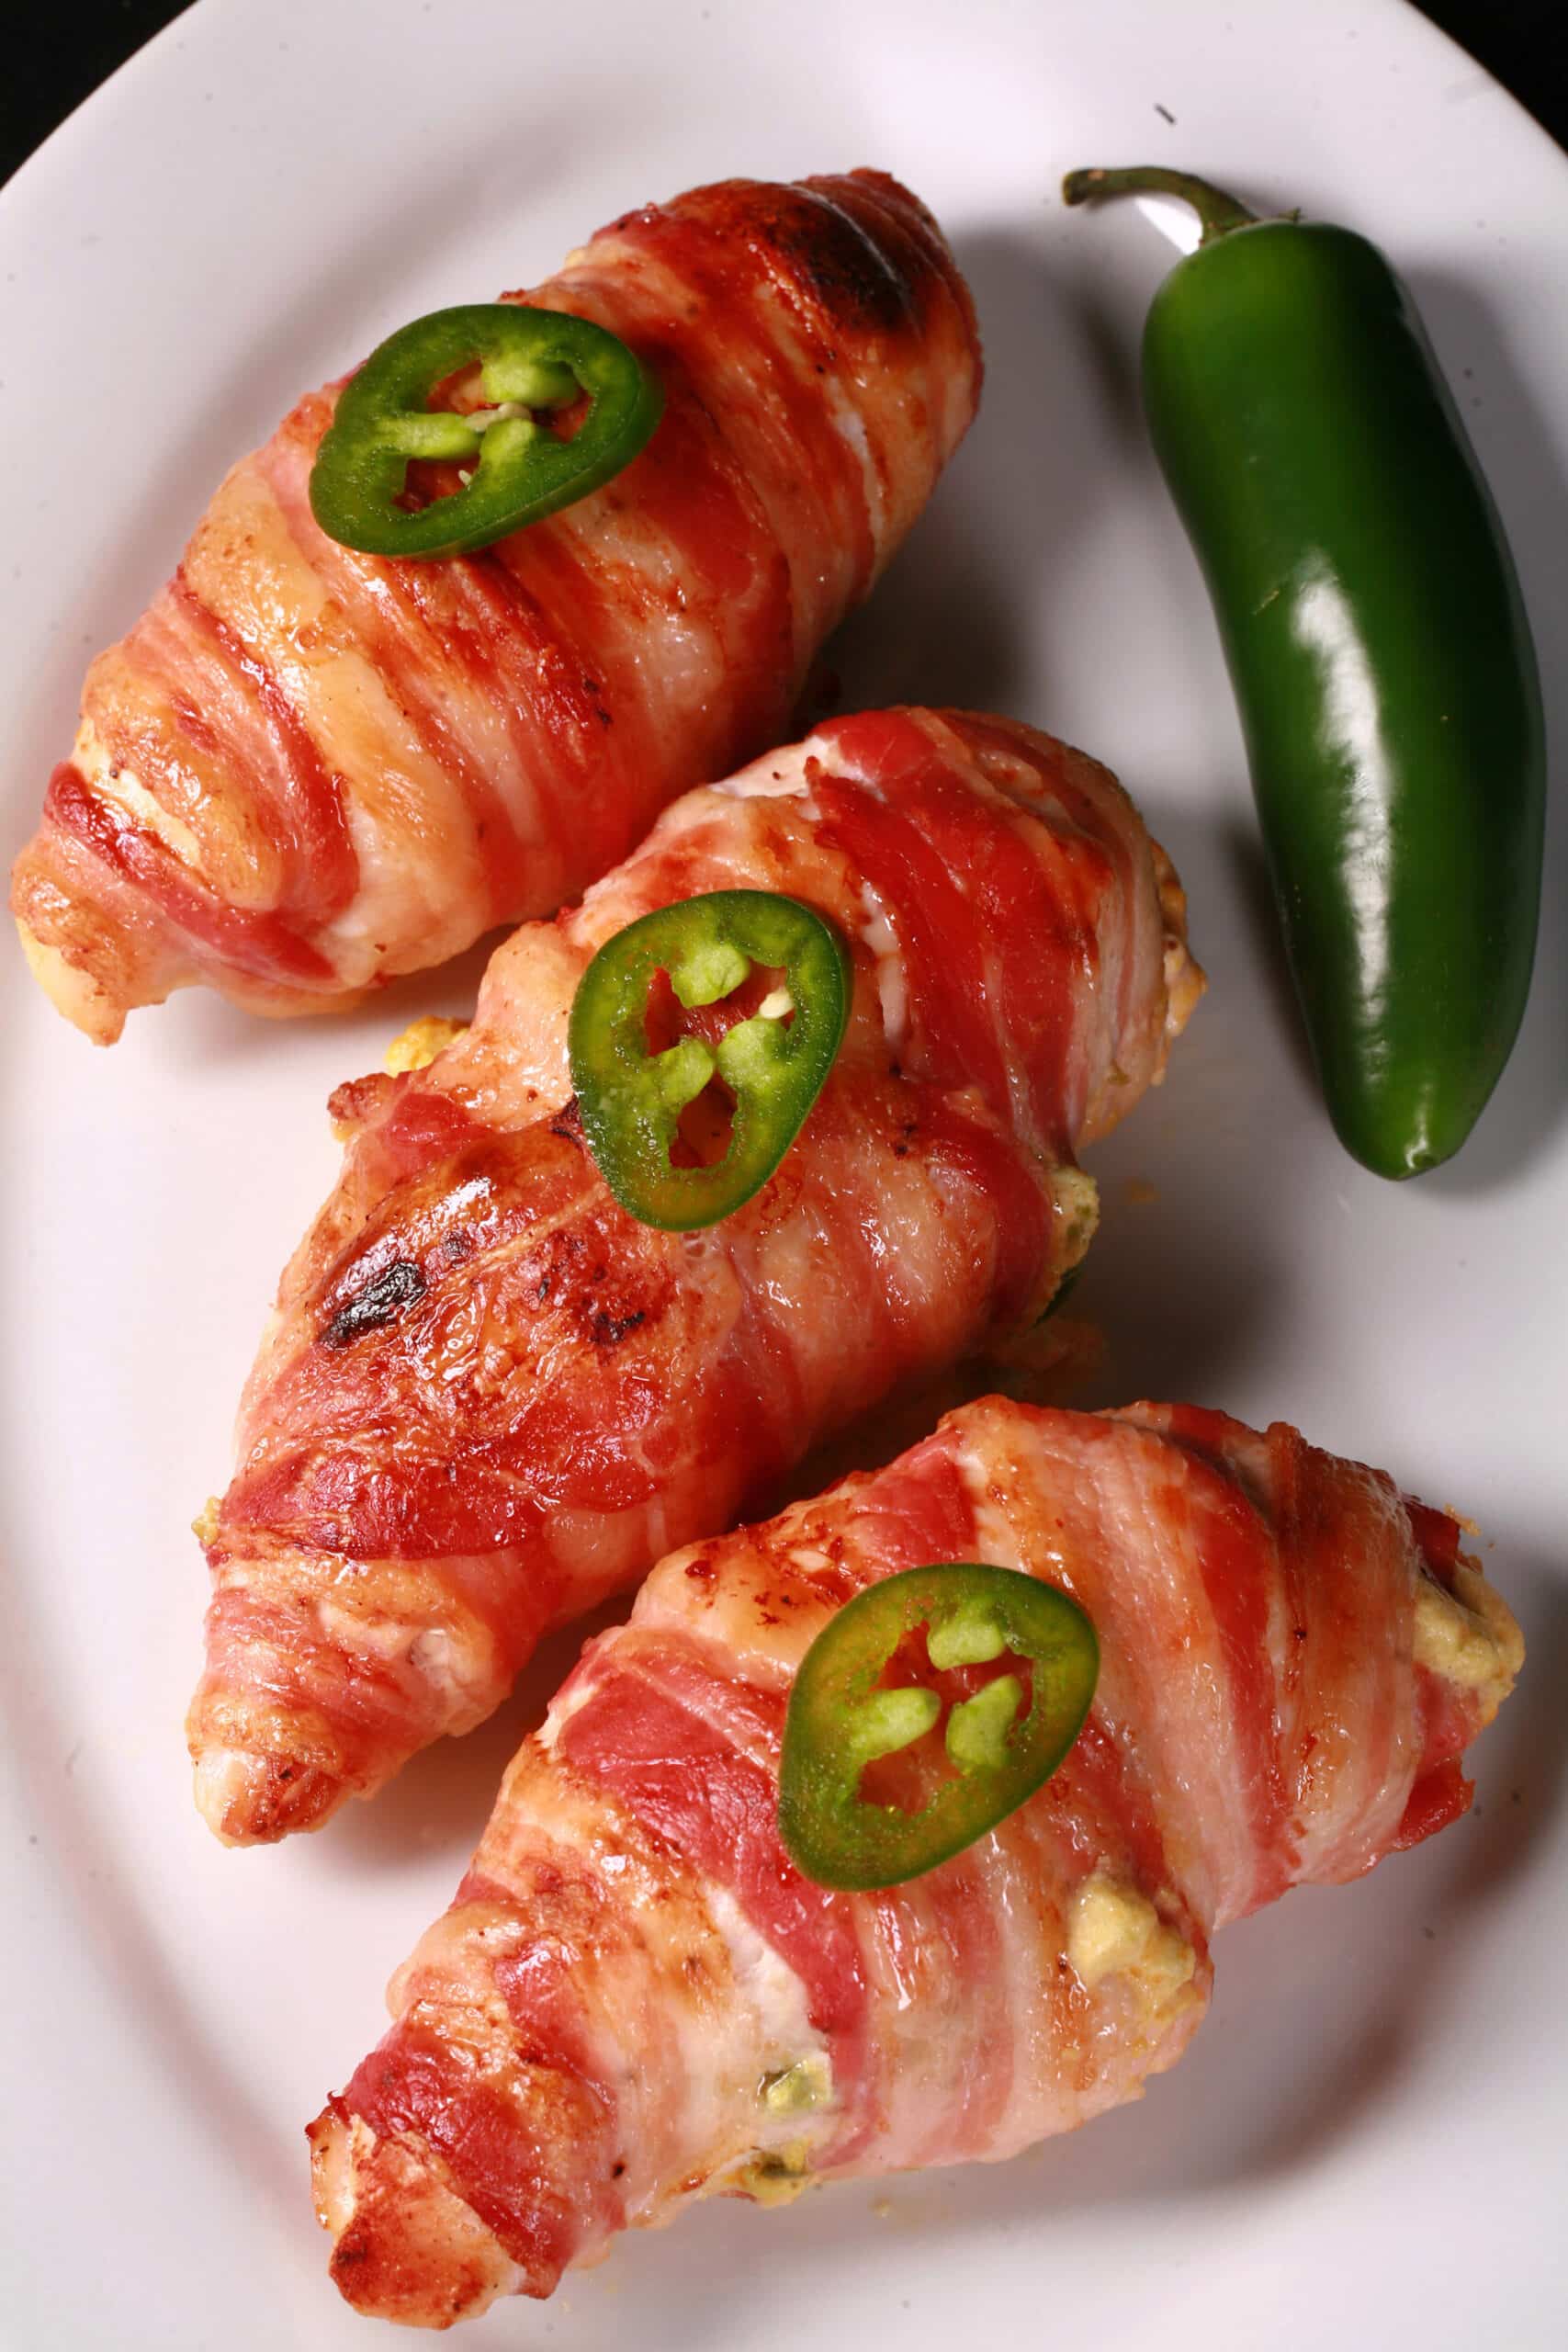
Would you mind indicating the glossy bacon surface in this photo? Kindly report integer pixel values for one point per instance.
(490, 1396)
(634, 1999)
(304, 770)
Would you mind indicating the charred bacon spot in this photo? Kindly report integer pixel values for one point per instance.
(854, 277)
(380, 1302)
(572, 1279)
(609, 1329)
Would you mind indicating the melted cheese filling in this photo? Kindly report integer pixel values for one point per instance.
(416, 1047)
(1112, 1930)
(1468, 1636)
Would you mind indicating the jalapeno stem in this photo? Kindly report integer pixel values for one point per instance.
(1218, 212)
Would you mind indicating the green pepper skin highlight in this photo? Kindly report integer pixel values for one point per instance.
(1381, 659)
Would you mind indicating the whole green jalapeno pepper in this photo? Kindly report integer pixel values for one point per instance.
(761, 1068)
(1380, 651)
(520, 471)
(1002, 1735)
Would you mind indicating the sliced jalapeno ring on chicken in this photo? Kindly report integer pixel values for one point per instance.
(528, 360)
(1003, 1736)
(761, 1068)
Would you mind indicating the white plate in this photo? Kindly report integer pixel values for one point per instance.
(1366, 2148)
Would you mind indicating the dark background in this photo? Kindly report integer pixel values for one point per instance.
(70, 52)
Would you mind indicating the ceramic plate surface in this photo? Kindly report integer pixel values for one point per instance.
(1365, 2147)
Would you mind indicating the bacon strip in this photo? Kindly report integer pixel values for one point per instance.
(305, 771)
(1284, 1672)
(490, 1396)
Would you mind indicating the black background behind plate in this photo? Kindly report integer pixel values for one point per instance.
(69, 51)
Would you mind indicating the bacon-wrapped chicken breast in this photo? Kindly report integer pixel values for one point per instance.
(636, 1999)
(306, 770)
(490, 1396)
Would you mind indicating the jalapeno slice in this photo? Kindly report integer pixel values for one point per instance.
(1001, 1735)
(528, 360)
(759, 1075)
